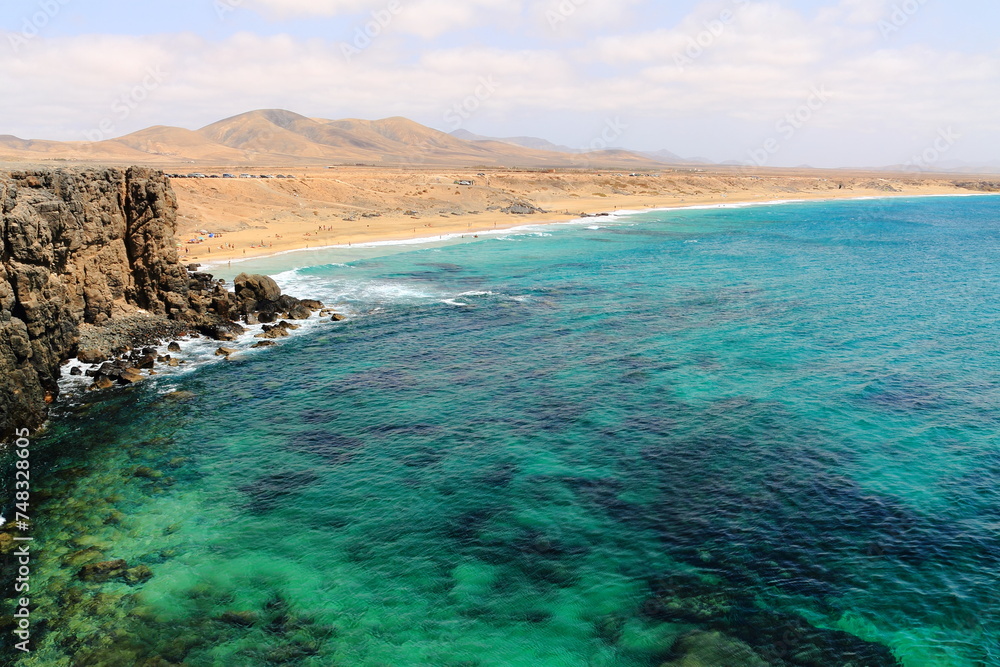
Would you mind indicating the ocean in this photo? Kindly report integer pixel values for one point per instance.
(561, 446)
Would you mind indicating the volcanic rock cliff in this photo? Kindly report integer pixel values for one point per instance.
(86, 250)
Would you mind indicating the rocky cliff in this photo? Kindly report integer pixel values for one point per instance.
(90, 249)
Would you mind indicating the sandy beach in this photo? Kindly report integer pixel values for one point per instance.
(222, 219)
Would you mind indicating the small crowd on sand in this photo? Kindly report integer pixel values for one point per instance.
(224, 246)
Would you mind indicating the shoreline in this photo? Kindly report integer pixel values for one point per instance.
(563, 219)
(223, 220)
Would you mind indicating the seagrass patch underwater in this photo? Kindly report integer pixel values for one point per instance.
(765, 432)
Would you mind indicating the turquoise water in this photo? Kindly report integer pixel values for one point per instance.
(564, 447)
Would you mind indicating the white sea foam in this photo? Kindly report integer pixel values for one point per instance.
(454, 301)
(377, 292)
(195, 353)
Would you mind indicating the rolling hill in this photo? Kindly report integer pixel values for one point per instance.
(526, 142)
(275, 137)
(663, 156)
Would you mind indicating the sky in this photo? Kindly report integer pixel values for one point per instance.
(828, 83)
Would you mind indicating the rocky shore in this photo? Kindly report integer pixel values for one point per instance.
(124, 351)
(89, 268)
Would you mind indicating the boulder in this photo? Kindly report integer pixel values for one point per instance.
(312, 304)
(264, 343)
(225, 352)
(111, 370)
(222, 330)
(131, 376)
(101, 383)
(146, 362)
(91, 356)
(273, 333)
(174, 347)
(286, 302)
(299, 312)
(279, 330)
(257, 287)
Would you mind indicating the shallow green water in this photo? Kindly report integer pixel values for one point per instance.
(565, 447)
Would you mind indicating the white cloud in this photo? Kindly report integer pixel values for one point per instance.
(432, 18)
(757, 33)
(425, 18)
(761, 67)
(284, 9)
(573, 17)
(859, 11)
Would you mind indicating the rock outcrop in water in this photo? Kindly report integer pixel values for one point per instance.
(89, 265)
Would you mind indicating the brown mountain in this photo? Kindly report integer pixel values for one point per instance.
(174, 142)
(275, 137)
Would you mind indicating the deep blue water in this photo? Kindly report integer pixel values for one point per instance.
(567, 446)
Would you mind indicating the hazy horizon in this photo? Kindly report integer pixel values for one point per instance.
(848, 83)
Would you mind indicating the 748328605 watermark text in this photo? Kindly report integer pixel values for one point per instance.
(22, 552)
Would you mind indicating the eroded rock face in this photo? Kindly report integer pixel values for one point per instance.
(79, 246)
(93, 250)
